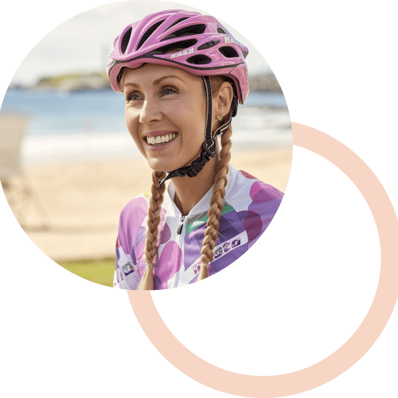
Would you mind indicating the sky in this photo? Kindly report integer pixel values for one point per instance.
(82, 43)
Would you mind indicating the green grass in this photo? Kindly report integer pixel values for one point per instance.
(98, 271)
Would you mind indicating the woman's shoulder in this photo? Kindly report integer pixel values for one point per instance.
(253, 189)
(135, 210)
(138, 203)
(132, 221)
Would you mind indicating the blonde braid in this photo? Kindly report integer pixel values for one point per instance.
(151, 249)
(216, 204)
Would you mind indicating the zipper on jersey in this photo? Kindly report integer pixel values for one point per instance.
(179, 231)
(181, 225)
(180, 243)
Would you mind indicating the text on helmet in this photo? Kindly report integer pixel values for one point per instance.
(185, 52)
(229, 39)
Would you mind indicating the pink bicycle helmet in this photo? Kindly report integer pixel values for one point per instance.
(205, 48)
(196, 43)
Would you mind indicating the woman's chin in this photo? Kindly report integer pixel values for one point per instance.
(168, 163)
(157, 165)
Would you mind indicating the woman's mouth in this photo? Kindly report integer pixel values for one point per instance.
(160, 140)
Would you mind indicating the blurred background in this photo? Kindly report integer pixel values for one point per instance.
(67, 162)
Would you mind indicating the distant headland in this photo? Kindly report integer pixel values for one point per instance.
(99, 81)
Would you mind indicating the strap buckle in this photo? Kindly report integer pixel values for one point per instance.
(209, 147)
(192, 172)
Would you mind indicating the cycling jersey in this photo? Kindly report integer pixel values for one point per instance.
(249, 206)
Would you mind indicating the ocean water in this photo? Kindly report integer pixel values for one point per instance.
(89, 125)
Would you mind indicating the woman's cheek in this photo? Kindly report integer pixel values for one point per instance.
(130, 117)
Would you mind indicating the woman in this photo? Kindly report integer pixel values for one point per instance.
(183, 74)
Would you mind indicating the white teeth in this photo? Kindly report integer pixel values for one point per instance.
(160, 139)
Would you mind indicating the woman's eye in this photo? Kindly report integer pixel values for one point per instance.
(168, 91)
(133, 97)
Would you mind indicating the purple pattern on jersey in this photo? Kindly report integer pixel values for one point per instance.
(247, 175)
(136, 254)
(260, 192)
(117, 262)
(165, 235)
(141, 265)
(265, 203)
(227, 259)
(169, 263)
(162, 227)
(230, 226)
(131, 220)
(252, 224)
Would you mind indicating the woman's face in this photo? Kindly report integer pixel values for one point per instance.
(165, 114)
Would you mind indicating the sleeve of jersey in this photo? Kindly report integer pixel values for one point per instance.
(130, 245)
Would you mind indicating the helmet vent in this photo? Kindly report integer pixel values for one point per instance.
(187, 31)
(228, 52)
(199, 59)
(176, 22)
(176, 46)
(209, 44)
(125, 41)
(219, 30)
(146, 35)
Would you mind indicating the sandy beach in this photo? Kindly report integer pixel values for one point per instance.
(80, 203)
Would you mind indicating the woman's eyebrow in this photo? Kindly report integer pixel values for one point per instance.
(155, 83)
(130, 84)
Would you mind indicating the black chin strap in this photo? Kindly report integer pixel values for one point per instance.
(209, 145)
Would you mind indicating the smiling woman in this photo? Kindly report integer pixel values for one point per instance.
(177, 106)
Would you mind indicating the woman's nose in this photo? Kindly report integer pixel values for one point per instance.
(150, 112)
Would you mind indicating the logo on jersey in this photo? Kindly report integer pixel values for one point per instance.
(235, 242)
(231, 244)
(181, 53)
(196, 268)
(217, 252)
(128, 269)
(226, 247)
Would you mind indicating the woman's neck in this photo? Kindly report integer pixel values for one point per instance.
(189, 191)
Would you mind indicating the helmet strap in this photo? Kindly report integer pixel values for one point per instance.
(209, 144)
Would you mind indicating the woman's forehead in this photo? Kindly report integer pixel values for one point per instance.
(150, 73)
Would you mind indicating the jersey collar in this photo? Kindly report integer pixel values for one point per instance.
(203, 204)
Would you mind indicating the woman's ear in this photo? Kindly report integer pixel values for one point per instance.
(224, 99)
